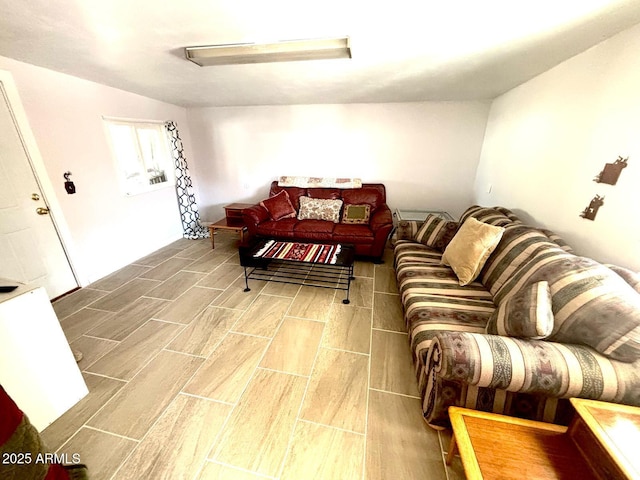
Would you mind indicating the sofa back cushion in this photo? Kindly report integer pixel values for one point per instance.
(557, 239)
(519, 244)
(435, 232)
(629, 276)
(360, 196)
(489, 215)
(594, 306)
(373, 194)
(325, 193)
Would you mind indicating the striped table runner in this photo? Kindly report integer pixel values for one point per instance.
(300, 252)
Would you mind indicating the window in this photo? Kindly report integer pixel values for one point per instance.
(142, 155)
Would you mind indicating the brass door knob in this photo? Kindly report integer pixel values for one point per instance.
(42, 211)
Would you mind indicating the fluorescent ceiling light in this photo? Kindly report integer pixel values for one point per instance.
(287, 51)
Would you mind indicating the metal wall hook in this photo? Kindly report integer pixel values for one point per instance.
(66, 175)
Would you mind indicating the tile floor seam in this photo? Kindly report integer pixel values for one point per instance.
(153, 357)
(105, 376)
(282, 371)
(277, 296)
(235, 332)
(390, 331)
(230, 263)
(109, 433)
(200, 397)
(148, 431)
(212, 352)
(394, 393)
(305, 318)
(368, 392)
(216, 440)
(96, 309)
(165, 321)
(340, 429)
(85, 424)
(233, 467)
(98, 338)
(165, 349)
(347, 351)
(304, 395)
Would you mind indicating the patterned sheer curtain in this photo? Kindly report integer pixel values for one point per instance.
(184, 189)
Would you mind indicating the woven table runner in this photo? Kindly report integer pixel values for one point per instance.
(299, 252)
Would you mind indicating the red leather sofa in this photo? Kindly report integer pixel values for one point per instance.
(369, 239)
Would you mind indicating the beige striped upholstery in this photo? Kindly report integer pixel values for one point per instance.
(524, 378)
(458, 364)
(436, 232)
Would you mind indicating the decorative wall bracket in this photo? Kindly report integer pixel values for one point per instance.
(590, 212)
(611, 171)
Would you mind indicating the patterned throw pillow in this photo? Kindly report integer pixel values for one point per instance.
(528, 314)
(319, 209)
(469, 249)
(356, 214)
(629, 276)
(279, 206)
(594, 306)
(436, 232)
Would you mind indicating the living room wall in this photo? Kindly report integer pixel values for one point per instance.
(425, 153)
(106, 229)
(547, 139)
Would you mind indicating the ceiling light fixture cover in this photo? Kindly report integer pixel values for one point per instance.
(285, 51)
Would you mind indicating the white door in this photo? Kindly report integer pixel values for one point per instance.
(30, 248)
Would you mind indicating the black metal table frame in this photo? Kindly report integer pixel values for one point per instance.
(323, 275)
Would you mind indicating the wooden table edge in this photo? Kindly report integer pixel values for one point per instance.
(461, 441)
(581, 405)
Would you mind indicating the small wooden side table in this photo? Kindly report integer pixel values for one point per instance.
(607, 435)
(496, 446)
(232, 221)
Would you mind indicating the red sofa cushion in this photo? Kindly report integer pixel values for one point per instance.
(279, 206)
(358, 196)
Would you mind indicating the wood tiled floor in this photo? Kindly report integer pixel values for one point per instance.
(190, 377)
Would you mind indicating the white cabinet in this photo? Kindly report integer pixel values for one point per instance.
(37, 367)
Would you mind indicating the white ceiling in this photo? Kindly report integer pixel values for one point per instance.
(403, 50)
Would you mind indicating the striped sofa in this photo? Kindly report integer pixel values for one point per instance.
(592, 350)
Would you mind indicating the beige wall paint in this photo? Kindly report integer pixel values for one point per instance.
(547, 139)
(425, 153)
(107, 230)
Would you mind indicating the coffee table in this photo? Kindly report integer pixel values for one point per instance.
(306, 270)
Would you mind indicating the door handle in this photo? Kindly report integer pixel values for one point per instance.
(42, 211)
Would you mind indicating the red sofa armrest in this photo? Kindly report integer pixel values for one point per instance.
(254, 216)
(381, 223)
(381, 218)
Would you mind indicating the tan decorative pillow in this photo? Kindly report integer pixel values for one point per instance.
(470, 247)
(319, 209)
(356, 214)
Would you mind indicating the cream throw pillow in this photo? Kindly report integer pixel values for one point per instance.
(470, 247)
